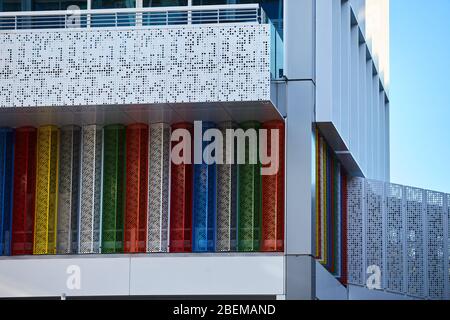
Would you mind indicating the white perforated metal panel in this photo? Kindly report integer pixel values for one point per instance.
(90, 193)
(435, 243)
(355, 239)
(141, 66)
(395, 238)
(415, 242)
(403, 231)
(374, 224)
(158, 191)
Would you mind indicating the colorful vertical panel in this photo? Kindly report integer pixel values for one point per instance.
(68, 191)
(204, 201)
(273, 192)
(24, 191)
(158, 192)
(331, 215)
(90, 192)
(135, 237)
(181, 195)
(227, 188)
(113, 189)
(249, 197)
(46, 190)
(6, 189)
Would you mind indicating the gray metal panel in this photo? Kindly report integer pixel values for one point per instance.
(226, 200)
(158, 191)
(90, 194)
(68, 191)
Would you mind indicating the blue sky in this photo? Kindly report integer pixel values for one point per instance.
(420, 93)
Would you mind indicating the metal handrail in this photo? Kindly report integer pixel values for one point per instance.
(96, 18)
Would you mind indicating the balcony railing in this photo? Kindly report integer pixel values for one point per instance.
(104, 18)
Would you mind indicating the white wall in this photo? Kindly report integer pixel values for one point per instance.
(352, 108)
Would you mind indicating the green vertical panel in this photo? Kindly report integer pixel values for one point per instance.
(113, 189)
(249, 197)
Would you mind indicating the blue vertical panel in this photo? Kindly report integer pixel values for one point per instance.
(6, 186)
(204, 203)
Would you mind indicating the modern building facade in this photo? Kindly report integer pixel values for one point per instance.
(90, 92)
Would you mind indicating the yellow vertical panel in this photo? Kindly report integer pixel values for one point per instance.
(46, 190)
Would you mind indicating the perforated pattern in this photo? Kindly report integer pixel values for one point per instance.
(415, 242)
(136, 189)
(155, 65)
(46, 191)
(113, 189)
(374, 224)
(395, 238)
(249, 197)
(90, 193)
(356, 215)
(273, 195)
(68, 191)
(227, 198)
(158, 196)
(6, 184)
(412, 254)
(435, 227)
(181, 202)
(204, 204)
(24, 191)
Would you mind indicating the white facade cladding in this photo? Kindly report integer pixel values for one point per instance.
(158, 65)
(401, 234)
(352, 63)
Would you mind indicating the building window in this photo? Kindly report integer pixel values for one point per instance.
(164, 3)
(111, 4)
(39, 5)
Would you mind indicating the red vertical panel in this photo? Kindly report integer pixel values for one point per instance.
(136, 188)
(273, 194)
(181, 199)
(24, 191)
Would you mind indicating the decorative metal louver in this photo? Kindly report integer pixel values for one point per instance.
(113, 189)
(204, 202)
(158, 191)
(249, 207)
(46, 190)
(6, 191)
(273, 194)
(68, 191)
(135, 228)
(24, 191)
(227, 190)
(181, 201)
(90, 192)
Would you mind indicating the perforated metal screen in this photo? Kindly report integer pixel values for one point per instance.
(6, 192)
(158, 191)
(68, 191)
(249, 199)
(46, 190)
(273, 193)
(404, 232)
(204, 201)
(181, 199)
(227, 191)
(24, 191)
(135, 228)
(90, 193)
(113, 189)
